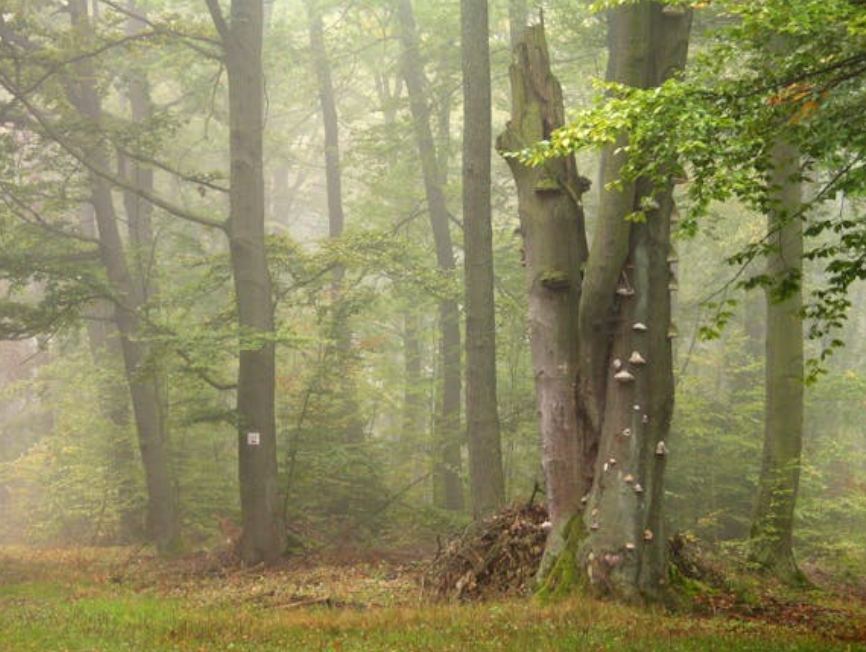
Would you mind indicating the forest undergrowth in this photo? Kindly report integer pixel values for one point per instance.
(108, 600)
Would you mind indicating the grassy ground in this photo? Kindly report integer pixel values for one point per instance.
(112, 600)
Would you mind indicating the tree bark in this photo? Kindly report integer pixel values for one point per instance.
(554, 249)
(517, 20)
(771, 536)
(264, 534)
(105, 350)
(614, 373)
(448, 489)
(162, 523)
(341, 332)
(626, 328)
(486, 480)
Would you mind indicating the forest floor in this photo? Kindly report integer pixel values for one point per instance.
(123, 599)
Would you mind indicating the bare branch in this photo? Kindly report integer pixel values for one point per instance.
(165, 167)
(219, 20)
(119, 181)
(203, 374)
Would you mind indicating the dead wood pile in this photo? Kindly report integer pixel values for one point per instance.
(495, 558)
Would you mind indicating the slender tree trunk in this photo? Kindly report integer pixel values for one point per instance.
(264, 534)
(341, 332)
(139, 218)
(517, 20)
(413, 393)
(771, 537)
(162, 523)
(447, 428)
(486, 480)
(105, 350)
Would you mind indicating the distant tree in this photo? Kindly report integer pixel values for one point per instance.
(772, 533)
(351, 421)
(448, 439)
(88, 148)
(517, 16)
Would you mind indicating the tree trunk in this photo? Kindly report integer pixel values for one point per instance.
(264, 534)
(517, 20)
(105, 350)
(486, 480)
(341, 334)
(625, 386)
(139, 215)
(771, 536)
(162, 522)
(610, 366)
(554, 249)
(448, 484)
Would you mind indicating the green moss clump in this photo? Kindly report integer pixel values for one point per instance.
(555, 280)
(547, 185)
(560, 576)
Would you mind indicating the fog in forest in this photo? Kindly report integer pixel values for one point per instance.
(269, 300)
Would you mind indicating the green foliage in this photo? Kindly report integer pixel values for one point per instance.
(774, 72)
(833, 506)
(717, 430)
(74, 482)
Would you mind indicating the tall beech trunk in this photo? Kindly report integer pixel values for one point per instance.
(486, 478)
(448, 486)
(606, 392)
(162, 518)
(554, 249)
(264, 534)
(341, 333)
(771, 536)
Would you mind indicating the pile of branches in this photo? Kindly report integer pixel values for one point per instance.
(495, 558)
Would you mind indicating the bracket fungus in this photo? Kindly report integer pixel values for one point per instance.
(610, 559)
(636, 358)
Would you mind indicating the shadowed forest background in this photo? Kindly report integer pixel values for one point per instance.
(244, 302)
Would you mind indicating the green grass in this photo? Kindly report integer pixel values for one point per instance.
(94, 607)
